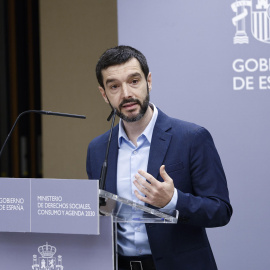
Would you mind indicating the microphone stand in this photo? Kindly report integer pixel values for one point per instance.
(104, 169)
(40, 112)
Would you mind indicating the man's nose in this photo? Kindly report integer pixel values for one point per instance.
(125, 91)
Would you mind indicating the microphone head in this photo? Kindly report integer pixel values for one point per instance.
(111, 114)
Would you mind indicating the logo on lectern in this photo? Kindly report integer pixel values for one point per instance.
(47, 261)
(260, 20)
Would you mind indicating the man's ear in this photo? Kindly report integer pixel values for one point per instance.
(149, 81)
(103, 93)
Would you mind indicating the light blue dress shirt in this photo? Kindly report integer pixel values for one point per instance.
(132, 237)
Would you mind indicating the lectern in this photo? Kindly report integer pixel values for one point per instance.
(56, 224)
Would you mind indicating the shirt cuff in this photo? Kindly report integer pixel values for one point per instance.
(172, 204)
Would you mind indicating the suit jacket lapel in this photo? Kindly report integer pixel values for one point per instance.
(159, 144)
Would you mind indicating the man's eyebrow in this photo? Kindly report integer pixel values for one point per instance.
(136, 74)
(109, 81)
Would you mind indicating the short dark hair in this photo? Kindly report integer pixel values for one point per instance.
(119, 55)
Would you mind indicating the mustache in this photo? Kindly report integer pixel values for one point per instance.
(128, 101)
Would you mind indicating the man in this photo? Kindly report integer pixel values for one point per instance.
(178, 159)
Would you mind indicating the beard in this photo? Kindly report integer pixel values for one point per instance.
(143, 108)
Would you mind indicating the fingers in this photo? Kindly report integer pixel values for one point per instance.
(142, 181)
(145, 185)
(162, 171)
(140, 197)
(142, 185)
(149, 182)
(151, 191)
(150, 179)
(164, 174)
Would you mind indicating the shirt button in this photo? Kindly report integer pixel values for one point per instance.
(135, 152)
(137, 229)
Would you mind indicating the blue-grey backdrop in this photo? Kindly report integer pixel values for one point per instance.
(210, 65)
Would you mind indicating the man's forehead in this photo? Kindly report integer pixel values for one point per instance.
(130, 66)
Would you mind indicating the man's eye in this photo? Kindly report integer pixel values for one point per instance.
(135, 81)
(114, 86)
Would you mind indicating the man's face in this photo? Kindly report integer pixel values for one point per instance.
(127, 90)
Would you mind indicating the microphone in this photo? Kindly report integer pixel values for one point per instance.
(40, 112)
(103, 173)
(111, 114)
(60, 114)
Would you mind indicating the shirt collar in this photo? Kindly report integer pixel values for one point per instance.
(148, 132)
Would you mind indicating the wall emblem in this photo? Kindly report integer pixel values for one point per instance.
(260, 20)
(47, 261)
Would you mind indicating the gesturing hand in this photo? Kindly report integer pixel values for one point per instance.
(157, 193)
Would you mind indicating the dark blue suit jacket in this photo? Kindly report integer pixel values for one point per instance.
(191, 159)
